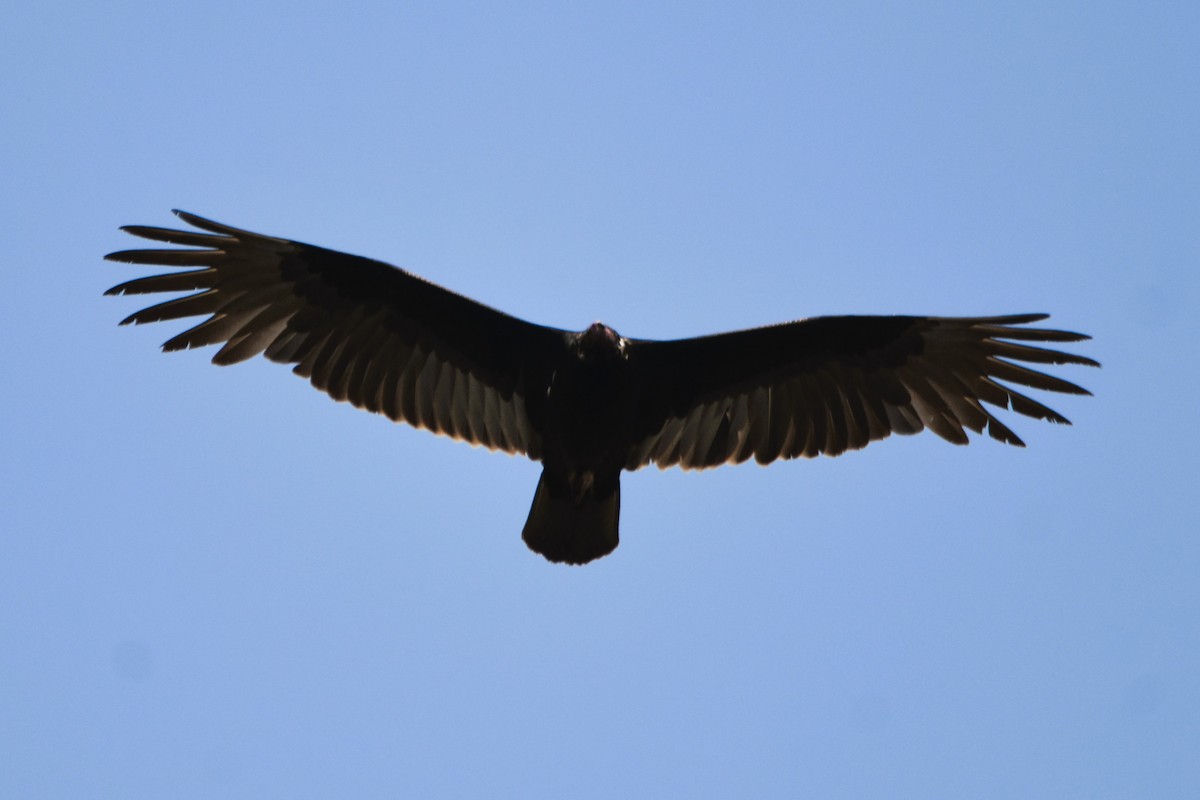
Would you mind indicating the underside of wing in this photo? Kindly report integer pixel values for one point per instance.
(830, 384)
(360, 330)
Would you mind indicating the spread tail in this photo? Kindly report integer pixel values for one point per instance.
(573, 525)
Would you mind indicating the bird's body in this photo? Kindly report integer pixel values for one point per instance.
(589, 405)
(589, 424)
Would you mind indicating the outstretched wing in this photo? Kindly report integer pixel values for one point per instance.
(831, 384)
(359, 330)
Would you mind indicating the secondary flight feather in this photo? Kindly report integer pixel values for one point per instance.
(591, 404)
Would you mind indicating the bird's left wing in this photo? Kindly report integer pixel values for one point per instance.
(360, 330)
(831, 384)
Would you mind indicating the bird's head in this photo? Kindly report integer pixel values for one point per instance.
(600, 341)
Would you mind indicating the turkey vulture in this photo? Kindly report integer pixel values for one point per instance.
(589, 405)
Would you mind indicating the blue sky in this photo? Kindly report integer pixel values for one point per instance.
(219, 583)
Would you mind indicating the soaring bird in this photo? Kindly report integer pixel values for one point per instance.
(590, 404)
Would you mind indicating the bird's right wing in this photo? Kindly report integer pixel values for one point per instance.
(831, 384)
(360, 330)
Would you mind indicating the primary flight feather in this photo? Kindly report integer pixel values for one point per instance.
(590, 404)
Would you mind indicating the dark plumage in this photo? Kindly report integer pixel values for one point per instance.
(588, 405)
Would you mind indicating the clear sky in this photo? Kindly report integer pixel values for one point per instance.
(219, 583)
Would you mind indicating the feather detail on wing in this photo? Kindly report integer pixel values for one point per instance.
(360, 330)
(830, 384)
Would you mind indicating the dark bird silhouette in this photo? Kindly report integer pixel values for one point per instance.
(589, 405)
